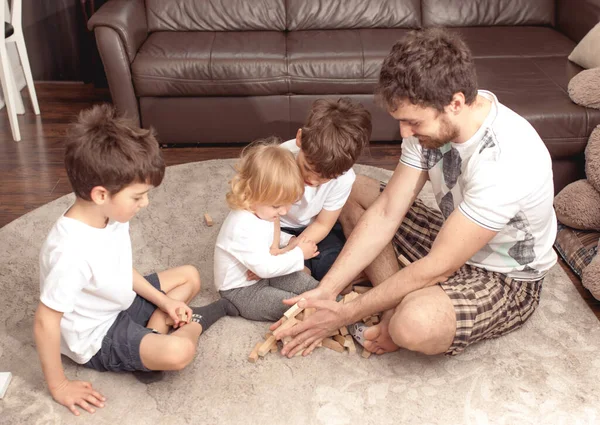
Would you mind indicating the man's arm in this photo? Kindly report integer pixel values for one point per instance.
(376, 227)
(46, 330)
(320, 228)
(458, 240)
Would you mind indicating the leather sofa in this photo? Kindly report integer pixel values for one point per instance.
(229, 71)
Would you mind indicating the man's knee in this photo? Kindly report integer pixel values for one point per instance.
(179, 352)
(417, 326)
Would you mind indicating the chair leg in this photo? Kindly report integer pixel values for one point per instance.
(12, 85)
(5, 76)
(27, 71)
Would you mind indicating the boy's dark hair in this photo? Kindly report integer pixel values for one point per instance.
(427, 68)
(108, 150)
(334, 136)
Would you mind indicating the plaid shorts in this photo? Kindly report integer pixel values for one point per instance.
(487, 304)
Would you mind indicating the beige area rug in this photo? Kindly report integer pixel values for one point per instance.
(545, 373)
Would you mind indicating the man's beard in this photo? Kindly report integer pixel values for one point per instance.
(448, 133)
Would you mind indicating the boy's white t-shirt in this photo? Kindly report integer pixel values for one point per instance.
(500, 179)
(330, 196)
(243, 244)
(87, 274)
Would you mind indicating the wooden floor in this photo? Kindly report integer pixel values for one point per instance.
(32, 172)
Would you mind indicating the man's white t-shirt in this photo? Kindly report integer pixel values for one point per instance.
(500, 179)
(87, 274)
(244, 244)
(330, 196)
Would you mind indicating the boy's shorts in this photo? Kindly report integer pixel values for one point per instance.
(486, 304)
(120, 351)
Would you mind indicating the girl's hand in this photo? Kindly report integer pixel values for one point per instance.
(309, 248)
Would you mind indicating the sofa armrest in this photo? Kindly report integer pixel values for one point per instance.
(575, 18)
(127, 18)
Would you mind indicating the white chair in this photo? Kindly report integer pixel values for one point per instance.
(12, 97)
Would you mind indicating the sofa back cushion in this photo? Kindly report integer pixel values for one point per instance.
(470, 13)
(344, 14)
(215, 15)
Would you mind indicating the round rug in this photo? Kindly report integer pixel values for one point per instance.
(528, 376)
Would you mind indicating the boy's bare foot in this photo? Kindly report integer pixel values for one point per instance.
(377, 337)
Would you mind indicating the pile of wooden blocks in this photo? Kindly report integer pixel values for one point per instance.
(339, 341)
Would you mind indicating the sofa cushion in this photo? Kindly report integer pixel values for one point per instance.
(338, 61)
(459, 13)
(344, 14)
(536, 89)
(215, 15)
(524, 41)
(211, 64)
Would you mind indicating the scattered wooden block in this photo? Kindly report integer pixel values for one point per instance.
(349, 344)
(403, 260)
(182, 317)
(366, 353)
(333, 345)
(362, 289)
(343, 331)
(340, 340)
(208, 219)
(309, 312)
(266, 346)
(253, 357)
(293, 310)
(351, 296)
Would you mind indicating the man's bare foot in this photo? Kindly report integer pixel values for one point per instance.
(377, 337)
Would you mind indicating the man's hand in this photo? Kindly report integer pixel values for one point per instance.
(329, 317)
(171, 307)
(311, 326)
(77, 393)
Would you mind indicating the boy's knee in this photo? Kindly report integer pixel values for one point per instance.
(192, 276)
(180, 352)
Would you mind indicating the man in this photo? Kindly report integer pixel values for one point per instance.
(477, 267)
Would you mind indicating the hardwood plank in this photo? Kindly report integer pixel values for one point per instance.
(32, 171)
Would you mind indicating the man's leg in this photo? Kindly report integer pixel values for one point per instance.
(181, 283)
(364, 192)
(424, 321)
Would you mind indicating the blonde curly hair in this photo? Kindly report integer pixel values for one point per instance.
(266, 174)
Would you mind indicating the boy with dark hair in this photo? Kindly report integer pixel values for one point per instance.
(95, 308)
(326, 148)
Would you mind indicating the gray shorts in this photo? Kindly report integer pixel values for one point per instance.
(120, 351)
(263, 300)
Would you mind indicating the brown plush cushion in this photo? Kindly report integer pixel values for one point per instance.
(576, 247)
(584, 88)
(587, 52)
(592, 159)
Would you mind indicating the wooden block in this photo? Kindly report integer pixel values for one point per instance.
(366, 353)
(351, 296)
(343, 331)
(253, 357)
(375, 319)
(362, 289)
(208, 219)
(293, 310)
(349, 344)
(309, 312)
(403, 260)
(288, 324)
(268, 335)
(266, 346)
(333, 345)
(182, 314)
(274, 348)
(340, 339)
(300, 316)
